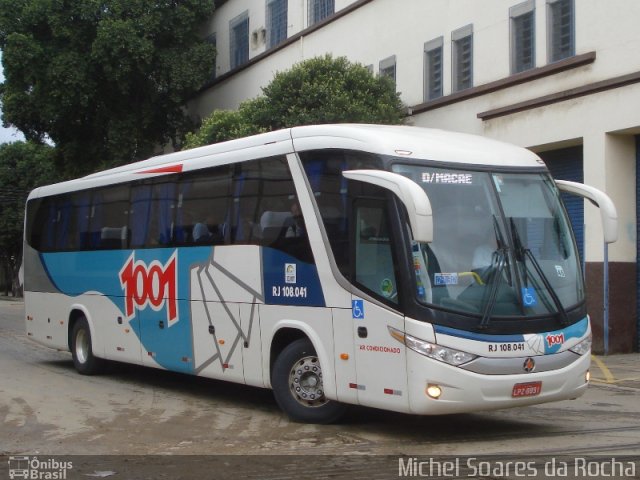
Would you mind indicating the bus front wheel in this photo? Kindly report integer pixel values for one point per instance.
(82, 351)
(298, 386)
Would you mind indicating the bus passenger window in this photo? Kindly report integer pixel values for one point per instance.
(203, 208)
(151, 215)
(109, 218)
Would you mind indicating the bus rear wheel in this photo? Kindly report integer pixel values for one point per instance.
(298, 387)
(82, 351)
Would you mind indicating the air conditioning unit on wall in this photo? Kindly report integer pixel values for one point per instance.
(258, 37)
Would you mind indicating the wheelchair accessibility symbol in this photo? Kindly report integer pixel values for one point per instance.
(529, 297)
(357, 309)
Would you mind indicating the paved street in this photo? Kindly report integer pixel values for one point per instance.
(48, 409)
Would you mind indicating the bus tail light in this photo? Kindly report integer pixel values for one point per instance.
(432, 350)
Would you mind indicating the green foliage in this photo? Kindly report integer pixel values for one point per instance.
(105, 80)
(328, 90)
(316, 91)
(221, 125)
(23, 166)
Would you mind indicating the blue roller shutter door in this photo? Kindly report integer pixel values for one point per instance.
(566, 164)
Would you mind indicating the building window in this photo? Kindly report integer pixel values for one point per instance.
(211, 40)
(239, 41)
(319, 10)
(561, 29)
(462, 61)
(388, 68)
(522, 36)
(276, 22)
(433, 69)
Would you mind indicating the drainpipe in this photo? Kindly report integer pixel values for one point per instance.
(606, 298)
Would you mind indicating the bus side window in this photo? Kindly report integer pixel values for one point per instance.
(330, 189)
(202, 208)
(374, 259)
(162, 214)
(140, 213)
(264, 207)
(109, 218)
(59, 222)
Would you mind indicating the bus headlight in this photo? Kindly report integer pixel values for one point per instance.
(432, 350)
(583, 347)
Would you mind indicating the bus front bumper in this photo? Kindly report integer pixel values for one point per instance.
(463, 391)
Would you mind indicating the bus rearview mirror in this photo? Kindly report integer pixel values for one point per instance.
(608, 212)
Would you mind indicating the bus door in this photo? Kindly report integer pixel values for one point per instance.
(380, 359)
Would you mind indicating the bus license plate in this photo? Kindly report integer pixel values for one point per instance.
(526, 389)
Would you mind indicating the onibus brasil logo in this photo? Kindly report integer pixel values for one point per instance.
(153, 285)
(34, 468)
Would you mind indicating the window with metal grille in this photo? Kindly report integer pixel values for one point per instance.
(388, 68)
(276, 22)
(522, 36)
(561, 29)
(239, 41)
(462, 51)
(319, 10)
(433, 69)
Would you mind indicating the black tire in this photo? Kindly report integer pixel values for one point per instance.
(297, 385)
(82, 349)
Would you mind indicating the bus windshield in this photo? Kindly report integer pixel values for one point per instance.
(501, 246)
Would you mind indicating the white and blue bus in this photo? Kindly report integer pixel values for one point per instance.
(400, 268)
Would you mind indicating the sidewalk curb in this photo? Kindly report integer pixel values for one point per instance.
(11, 299)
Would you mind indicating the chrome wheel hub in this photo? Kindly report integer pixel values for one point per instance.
(305, 382)
(82, 346)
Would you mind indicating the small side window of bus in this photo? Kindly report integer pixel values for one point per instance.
(374, 260)
(108, 224)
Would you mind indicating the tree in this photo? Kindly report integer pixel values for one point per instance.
(315, 91)
(23, 167)
(221, 125)
(105, 80)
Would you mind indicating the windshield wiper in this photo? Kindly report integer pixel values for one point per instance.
(496, 276)
(522, 253)
(501, 261)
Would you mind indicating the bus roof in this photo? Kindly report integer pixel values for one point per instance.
(415, 143)
(410, 143)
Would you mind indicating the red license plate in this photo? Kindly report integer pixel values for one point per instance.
(526, 389)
